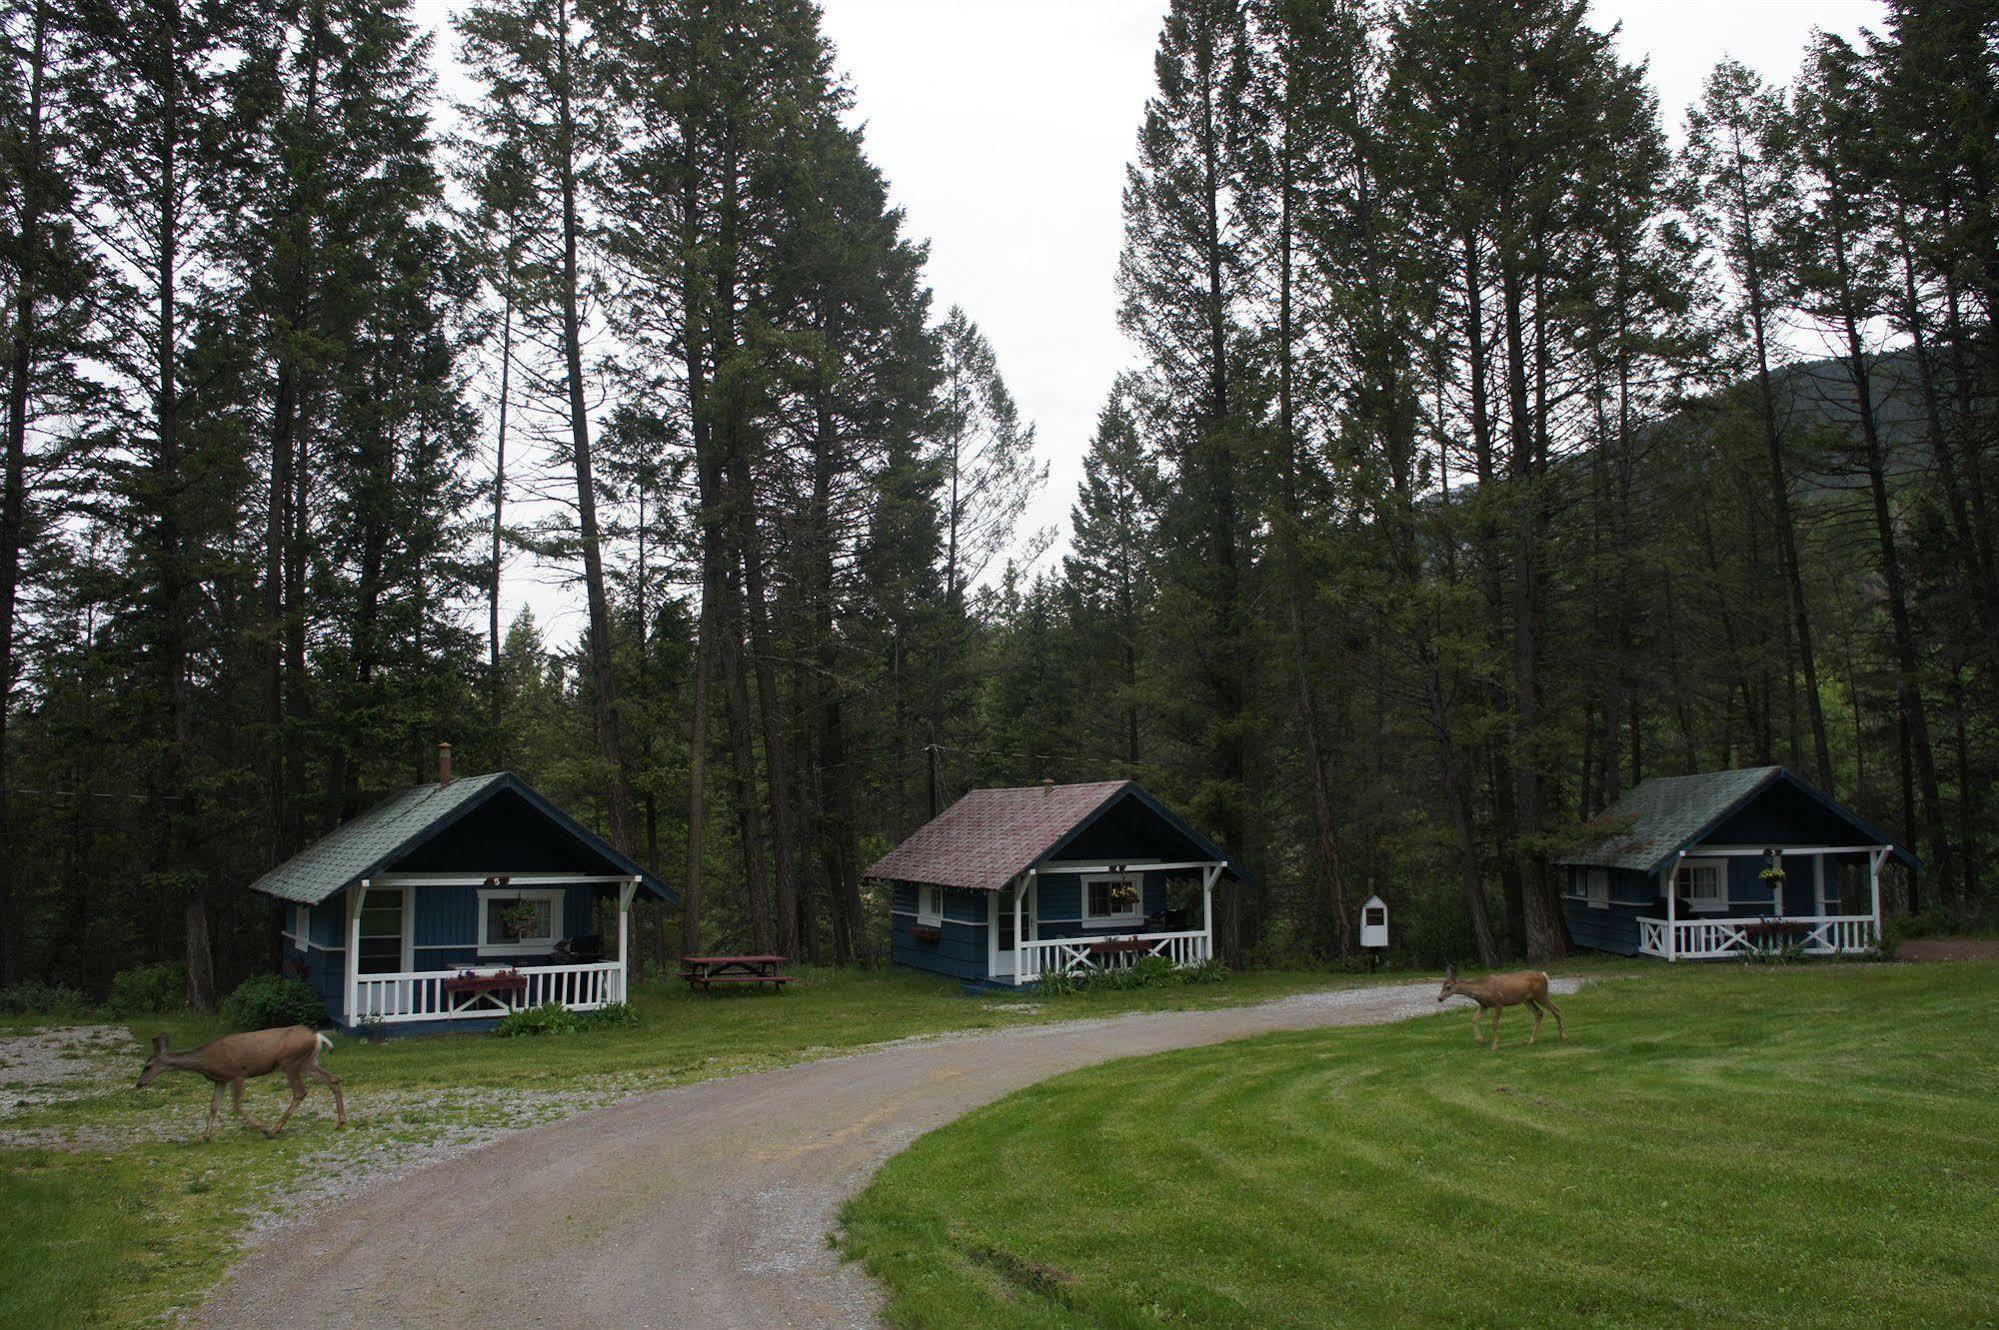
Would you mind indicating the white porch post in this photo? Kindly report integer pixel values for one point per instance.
(1874, 858)
(1019, 953)
(1818, 883)
(1672, 908)
(625, 894)
(353, 956)
(1208, 876)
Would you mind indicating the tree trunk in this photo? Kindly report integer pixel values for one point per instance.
(742, 747)
(697, 768)
(499, 507)
(1908, 679)
(14, 480)
(1336, 931)
(1780, 489)
(603, 683)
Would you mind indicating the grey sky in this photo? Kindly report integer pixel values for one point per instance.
(1004, 127)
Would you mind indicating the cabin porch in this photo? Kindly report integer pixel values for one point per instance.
(1072, 918)
(436, 947)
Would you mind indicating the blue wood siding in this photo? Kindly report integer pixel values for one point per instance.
(960, 949)
(1632, 894)
(446, 923)
(1059, 906)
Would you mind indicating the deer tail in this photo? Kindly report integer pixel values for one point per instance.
(324, 1042)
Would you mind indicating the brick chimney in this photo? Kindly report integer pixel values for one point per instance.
(443, 765)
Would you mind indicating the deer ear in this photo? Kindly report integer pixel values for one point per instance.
(159, 1044)
(1451, 971)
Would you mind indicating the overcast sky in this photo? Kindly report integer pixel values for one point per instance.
(1004, 127)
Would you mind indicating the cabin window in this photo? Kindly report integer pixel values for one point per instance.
(518, 923)
(1116, 899)
(1703, 883)
(301, 925)
(929, 905)
(1596, 888)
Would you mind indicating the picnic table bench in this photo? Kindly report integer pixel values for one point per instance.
(703, 972)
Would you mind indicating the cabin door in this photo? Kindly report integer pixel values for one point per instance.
(386, 937)
(1006, 956)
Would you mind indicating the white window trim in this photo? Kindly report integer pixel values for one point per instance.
(929, 905)
(298, 927)
(1712, 905)
(1135, 914)
(1596, 888)
(527, 946)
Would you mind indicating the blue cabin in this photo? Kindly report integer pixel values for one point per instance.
(1008, 885)
(446, 906)
(1725, 863)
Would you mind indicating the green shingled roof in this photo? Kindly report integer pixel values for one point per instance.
(1665, 813)
(375, 840)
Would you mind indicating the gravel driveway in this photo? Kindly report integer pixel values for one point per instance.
(706, 1205)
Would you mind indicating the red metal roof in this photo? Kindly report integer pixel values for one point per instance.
(989, 837)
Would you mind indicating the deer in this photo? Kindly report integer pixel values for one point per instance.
(1497, 992)
(235, 1058)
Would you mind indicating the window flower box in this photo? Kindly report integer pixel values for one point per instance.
(470, 981)
(929, 933)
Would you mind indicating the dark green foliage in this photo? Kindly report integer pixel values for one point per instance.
(1443, 504)
(147, 990)
(266, 1000)
(35, 998)
(554, 1018)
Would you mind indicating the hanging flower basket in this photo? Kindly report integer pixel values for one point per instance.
(519, 920)
(1124, 895)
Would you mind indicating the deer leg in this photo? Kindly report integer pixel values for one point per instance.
(333, 1084)
(298, 1097)
(1534, 1036)
(236, 1101)
(1477, 1034)
(1559, 1028)
(214, 1108)
(1497, 1012)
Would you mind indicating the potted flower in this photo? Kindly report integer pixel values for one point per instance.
(1124, 894)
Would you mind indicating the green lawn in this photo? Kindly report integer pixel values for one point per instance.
(1713, 1146)
(123, 1215)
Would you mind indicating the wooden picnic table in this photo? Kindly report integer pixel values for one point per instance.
(703, 972)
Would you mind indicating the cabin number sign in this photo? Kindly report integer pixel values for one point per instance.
(1374, 923)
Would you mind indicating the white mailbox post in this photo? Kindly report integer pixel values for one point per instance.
(1374, 928)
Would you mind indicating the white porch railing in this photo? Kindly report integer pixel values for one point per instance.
(1072, 955)
(1712, 939)
(421, 995)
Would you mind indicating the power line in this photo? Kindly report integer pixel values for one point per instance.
(92, 794)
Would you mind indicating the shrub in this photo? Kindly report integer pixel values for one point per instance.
(548, 1018)
(31, 997)
(265, 1000)
(1147, 972)
(610, 1016)
(554, 1018)
(147, 990)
